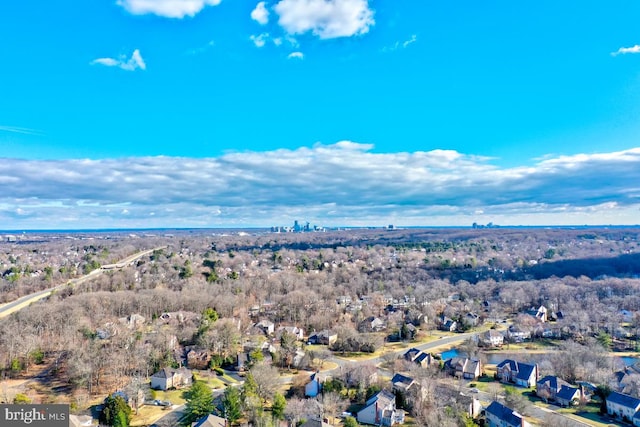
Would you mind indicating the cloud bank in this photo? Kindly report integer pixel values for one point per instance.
(131, 64)
(166, 8)
(326, 19)
(341, 184)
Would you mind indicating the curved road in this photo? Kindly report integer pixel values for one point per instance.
(24, 301)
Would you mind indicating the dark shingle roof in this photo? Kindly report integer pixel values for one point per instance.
(623, 400)
(504, 413)
(553, 382)
(566, 392)
(524, 370)
(399, 378)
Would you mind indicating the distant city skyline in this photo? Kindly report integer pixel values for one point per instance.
(221, 113)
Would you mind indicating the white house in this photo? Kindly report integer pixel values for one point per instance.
(380, 409)
(168, 378)
(622, 406)
(267, 326)
(492, 338)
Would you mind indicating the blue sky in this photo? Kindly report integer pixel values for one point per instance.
(206, 113)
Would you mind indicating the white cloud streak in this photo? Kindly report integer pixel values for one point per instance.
(260, 14)
(166, 8)
(343, 183)
(17, 129)
(625, 50)
(295, 55)
(133, 63)
(397, 45)
(326, 19)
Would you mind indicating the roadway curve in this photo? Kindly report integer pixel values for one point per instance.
(20, 303)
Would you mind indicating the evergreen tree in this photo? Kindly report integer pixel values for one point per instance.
(121, 420)
(232, 404)
(115, 411)
(199, 403)
(278, 406)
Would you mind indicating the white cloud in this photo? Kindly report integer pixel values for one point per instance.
(166, 8)
(260, 40)
(413, 39)
(260, 14)
(342, 183)
(397, 45)
(296, 55)
(326, 19)
(122, 62)
(625, 50)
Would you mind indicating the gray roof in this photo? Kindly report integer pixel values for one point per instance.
(623, 400)
(210, 421)
(384, 398)
(566, 392)
(505, 413)
(401, 379)
(553, 382)
(524, 370)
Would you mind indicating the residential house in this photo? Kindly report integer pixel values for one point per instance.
(461, 367)
(380, 410)
(168, 378)
(361, 375)
(80, 420)
(372, 324)
(622, 406)
(499, 415)
(471, 319)
(401, 383)
(133, 395)
(267, 326)
(293, 330)
(518, 334)
(343, 300)
(522, 374)
(539, 314)
(557, 390)
(448, 325)
(325, 337)
(314, 386)
(492, 338)
(198, 358)
(418, 356)
(569, 396)
(210, 421)
(449, 395)
(626, 380)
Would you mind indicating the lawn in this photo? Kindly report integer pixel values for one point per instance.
(173, 396)
(212, 379)
(147, 415)
(591, 418)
